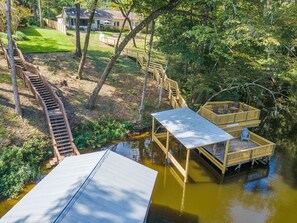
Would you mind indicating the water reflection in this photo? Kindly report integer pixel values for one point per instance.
(251, 195)
(263, 194)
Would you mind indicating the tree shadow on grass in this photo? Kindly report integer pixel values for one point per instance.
(30, 31)
(33, 116)
(123, 64)
(43, 45)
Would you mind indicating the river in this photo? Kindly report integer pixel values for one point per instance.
(262, 194)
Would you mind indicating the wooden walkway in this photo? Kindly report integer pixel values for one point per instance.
(51, 104)
(158, 72)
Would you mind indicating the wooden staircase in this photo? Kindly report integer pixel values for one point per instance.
(52, 106)
(158, 72)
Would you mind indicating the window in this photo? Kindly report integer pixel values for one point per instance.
(83, 22)
(116, 23)
(72, 22)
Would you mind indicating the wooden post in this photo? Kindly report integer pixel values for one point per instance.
(153, 129)
(167, 144)
(225, 156)
(187, 165)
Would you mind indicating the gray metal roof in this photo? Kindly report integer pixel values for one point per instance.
(191, 129)
(95, 187)
(99, 13)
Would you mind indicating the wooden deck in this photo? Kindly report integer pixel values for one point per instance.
(218, 150)
(227, 117)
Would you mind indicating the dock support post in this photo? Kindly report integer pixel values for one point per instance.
(187, 166)
(226, 156)
(167, 144)
(153, 128)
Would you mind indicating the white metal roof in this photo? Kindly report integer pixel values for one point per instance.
(191, 129)
(95, 187)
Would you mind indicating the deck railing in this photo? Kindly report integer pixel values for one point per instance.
(244, 113)
(174, 94)
(264, 148)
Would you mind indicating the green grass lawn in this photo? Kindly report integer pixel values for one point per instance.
(44, 40)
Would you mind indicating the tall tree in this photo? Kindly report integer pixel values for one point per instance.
(40, 13)
(153, 15)
(77, 30)
(148, 61)
(18, 110)
(87, 39)
(125, 14)
(123, 24)
(34, 10)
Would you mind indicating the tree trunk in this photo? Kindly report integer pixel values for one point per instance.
(123, 24)
(155, 14)
(162, 84)
(40, 13)
(77, 31)
(145, 37)
(16, 96)
(84, 55)
(126, 15)
(34, 10)
(131, 28)
(148, 61)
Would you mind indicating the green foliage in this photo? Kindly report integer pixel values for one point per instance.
(19, 36)
(92, 135)
(20, 166)
(223, 46)
(3, 35)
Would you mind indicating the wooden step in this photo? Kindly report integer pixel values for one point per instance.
(62, 128)
(59, 125)
(61, 141)
(52, 108)
(67, 147)
(57, 121)
(53, 103)
(62, 136)
(60, 131)
(46, 96)
(67, 153)
(62, 145)
(66, 150)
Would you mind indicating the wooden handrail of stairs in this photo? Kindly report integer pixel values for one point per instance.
(51, 104)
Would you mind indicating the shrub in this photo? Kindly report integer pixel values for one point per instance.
(19, 36)
(92, 135)
(20, 166)
(3, 35)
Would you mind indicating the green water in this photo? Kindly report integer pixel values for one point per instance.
(262, 194)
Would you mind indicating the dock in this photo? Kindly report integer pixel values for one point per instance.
(213, 134)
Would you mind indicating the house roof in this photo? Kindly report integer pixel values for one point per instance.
(191, 129)
(95, 187)
(99, 13)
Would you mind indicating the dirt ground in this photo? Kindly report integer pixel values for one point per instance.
(119, 98)
(13, 129)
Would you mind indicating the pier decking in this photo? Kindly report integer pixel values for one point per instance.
(223, 148)
(230, 115)
(218, 150)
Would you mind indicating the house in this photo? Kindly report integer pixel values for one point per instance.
(110, 19)
(96, 187)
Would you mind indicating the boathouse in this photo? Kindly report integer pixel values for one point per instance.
(194, 132)
(96, 187)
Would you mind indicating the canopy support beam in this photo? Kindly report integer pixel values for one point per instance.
(187, 165)
(226, 156)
